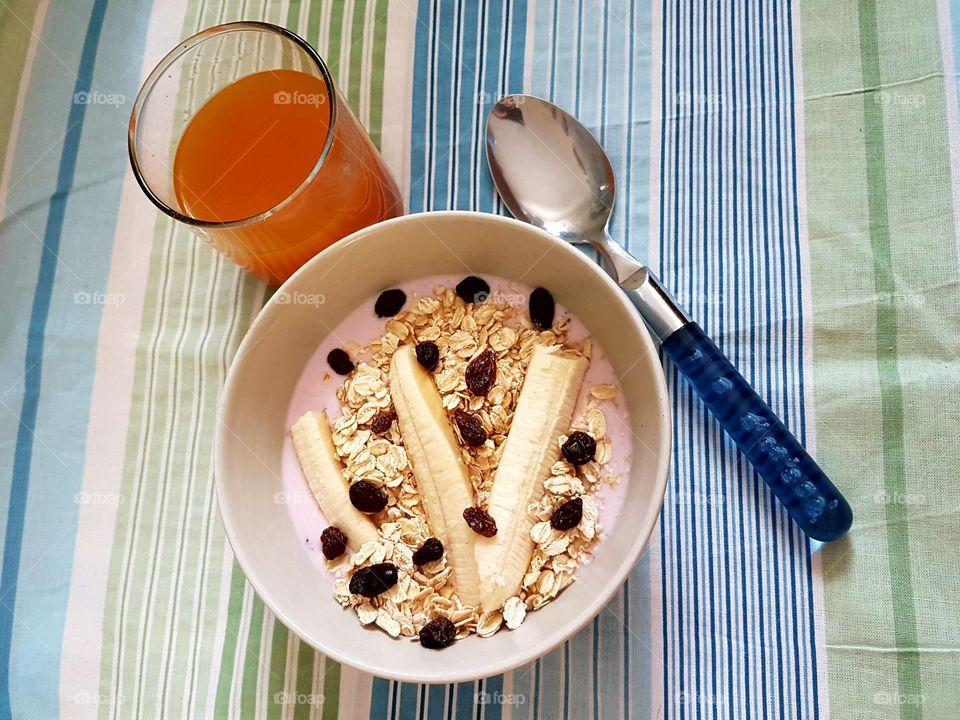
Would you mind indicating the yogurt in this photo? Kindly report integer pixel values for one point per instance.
(317, 388)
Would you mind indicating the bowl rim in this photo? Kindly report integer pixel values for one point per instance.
(606, 592)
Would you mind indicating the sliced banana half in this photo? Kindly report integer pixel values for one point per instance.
(441, 476)
(544, 411)
(321, 466)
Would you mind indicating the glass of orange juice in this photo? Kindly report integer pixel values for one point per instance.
(240, 133)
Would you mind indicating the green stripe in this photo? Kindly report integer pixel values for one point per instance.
(376, 80)
(334, 36)
(891, 397)
(278, 667)
(195, 308)
(234, 611)
(354, 86)
(16, 20)
(251, 658)
(293, 16)
(189, 329)
(306, 660)
(331, 689)
(884, 290)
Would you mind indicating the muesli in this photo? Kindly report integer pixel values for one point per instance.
(461, 471)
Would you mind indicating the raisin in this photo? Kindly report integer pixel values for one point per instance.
(568, 515)
(579, 448)
(382, 421)
(473, 289)
(373, 580)
(480, 521)
(367, 497)
(432, 549)
(542, 308)
(333, 543)
(438, 634)
(390, 302)
(471, 429)
(428, 354)
(340, 362)
(481, 373)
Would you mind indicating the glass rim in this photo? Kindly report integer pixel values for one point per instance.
(169, 59)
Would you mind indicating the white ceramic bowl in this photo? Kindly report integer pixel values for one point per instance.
(252, 427)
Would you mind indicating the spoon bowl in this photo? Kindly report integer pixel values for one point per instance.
(572, 195)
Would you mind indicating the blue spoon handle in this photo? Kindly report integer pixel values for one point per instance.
(798, 482)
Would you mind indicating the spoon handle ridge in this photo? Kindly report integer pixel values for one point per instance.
(794, 477)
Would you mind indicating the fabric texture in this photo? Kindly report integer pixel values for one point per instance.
(788, 168)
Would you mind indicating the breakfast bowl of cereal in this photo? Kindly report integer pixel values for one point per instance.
(442, 446)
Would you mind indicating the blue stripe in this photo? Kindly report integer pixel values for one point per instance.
(726, 580)
(661, 252)
(712, 438)
(34, 355)
(436, 701)
(379, 699)
(409, 697)
(811, 615)
(465, 695)
(737, 238)
(464, 59)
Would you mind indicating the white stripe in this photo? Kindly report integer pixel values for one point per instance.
(528, 46)
(323, 41)
(220, 630)
(953, 122)
(109, 412)
(265, 660)
(288, 685)
(398, 91)
(817, 580)
(656, 125)
(346, 34)
(35, 34)
(366, 63)
(240, 652)
(317, 684)
(355, 693)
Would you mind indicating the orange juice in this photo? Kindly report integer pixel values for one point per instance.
(244, 163)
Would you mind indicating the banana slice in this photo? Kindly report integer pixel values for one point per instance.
(544, 411)
(441, 476)
(321, 466)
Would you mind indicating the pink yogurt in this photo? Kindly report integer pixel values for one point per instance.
(316, 390)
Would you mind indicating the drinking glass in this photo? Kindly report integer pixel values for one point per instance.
(241, 134)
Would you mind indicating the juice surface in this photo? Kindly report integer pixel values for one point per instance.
(251, 145)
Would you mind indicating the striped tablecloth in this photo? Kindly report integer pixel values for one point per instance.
(790, 169)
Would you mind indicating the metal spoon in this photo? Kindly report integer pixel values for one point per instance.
(552, 173)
